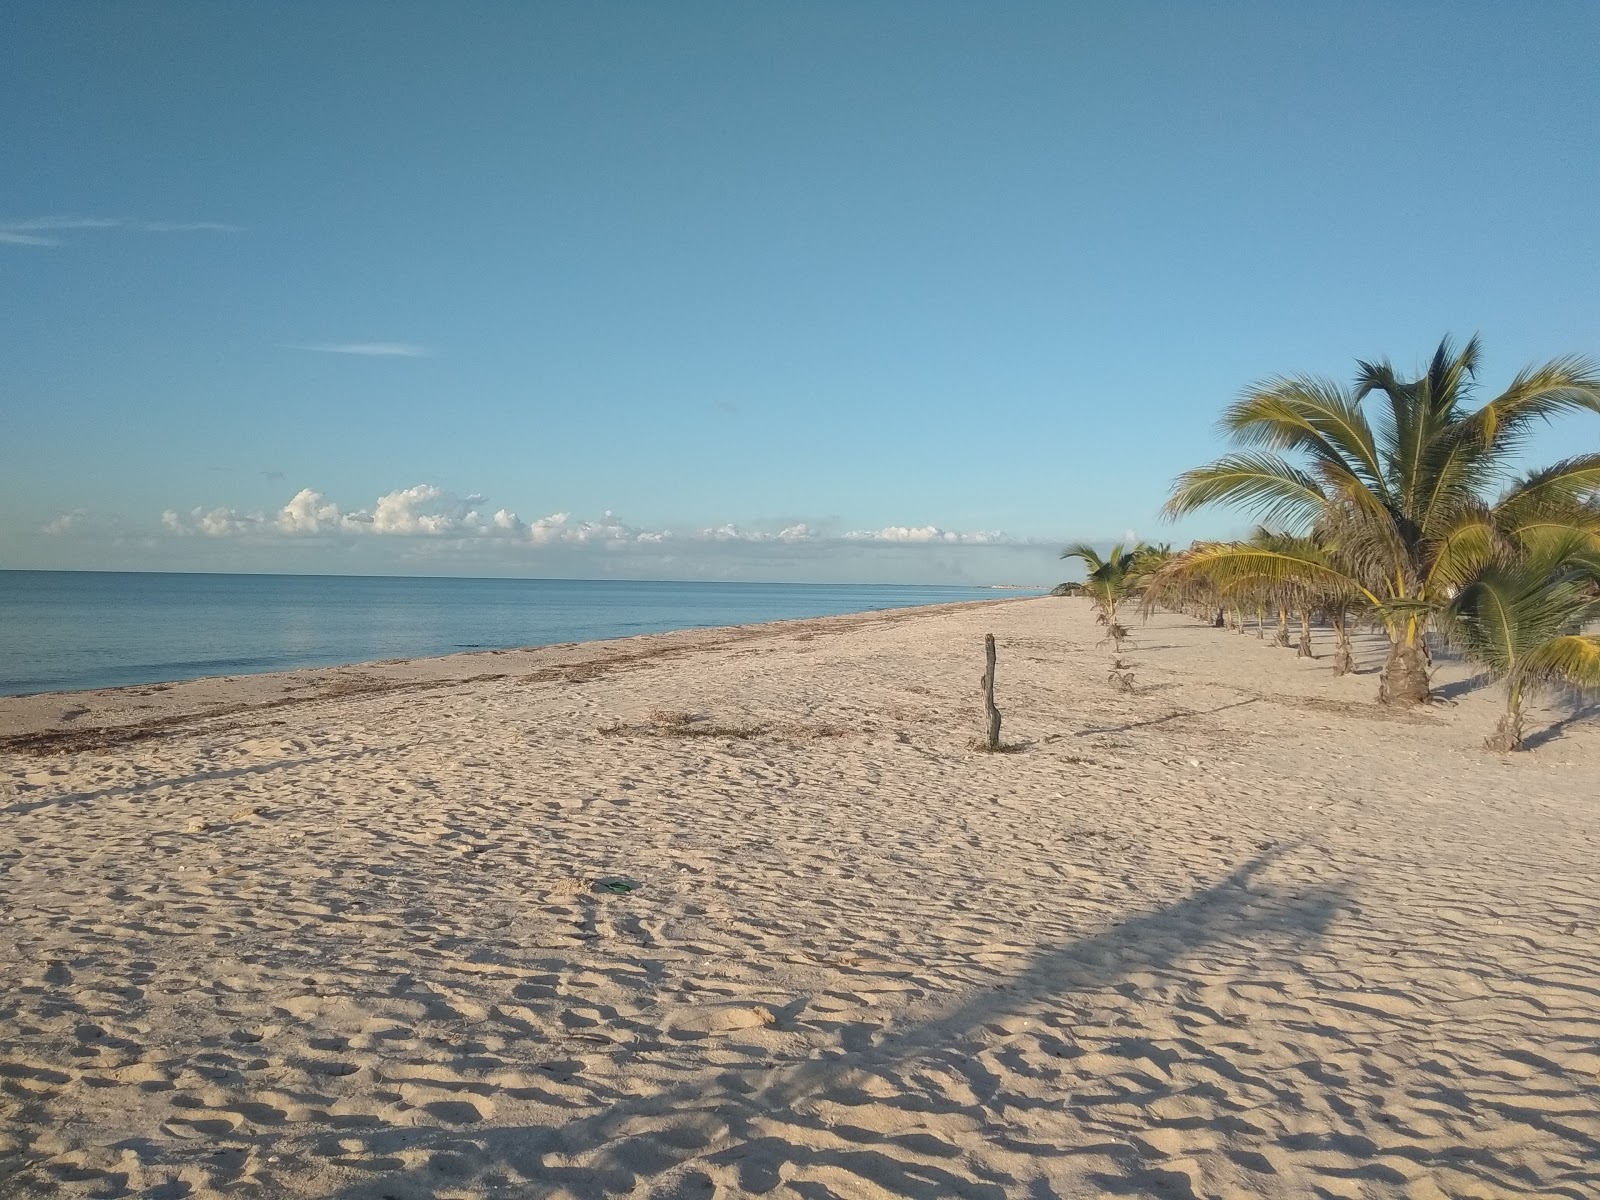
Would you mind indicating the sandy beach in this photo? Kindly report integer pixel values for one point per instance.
(513, 924)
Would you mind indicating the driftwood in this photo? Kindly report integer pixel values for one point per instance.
(992, 742)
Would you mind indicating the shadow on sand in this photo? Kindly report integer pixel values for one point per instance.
(742, 1118)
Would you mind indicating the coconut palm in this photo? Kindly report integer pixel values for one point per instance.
(1524, 620)
(1402, 497)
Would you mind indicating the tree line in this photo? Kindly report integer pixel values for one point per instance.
(1399, 505)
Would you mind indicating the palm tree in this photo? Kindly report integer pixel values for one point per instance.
(1524, 620)
(1401, 501)
(1111, 580)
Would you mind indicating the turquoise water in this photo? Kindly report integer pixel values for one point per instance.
(62, 630)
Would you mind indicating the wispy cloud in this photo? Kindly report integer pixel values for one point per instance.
(371, 349)
(186, 227)
(47, 231)
(926, 533)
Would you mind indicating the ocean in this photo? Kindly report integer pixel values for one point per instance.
(67, 630)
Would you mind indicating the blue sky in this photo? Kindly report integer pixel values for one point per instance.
(898, 292)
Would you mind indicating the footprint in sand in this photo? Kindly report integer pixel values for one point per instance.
(707, 1020)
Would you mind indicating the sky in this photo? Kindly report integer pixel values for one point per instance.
(888, 292)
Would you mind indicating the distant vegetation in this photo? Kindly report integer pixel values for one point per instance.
(1395, 504)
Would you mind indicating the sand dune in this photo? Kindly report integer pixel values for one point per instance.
(1239, 933)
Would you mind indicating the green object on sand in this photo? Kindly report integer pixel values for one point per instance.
(618, 885)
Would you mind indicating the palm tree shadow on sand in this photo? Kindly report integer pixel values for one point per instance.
(651, 1145)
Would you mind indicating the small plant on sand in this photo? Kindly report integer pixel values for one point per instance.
(671, 718)
(677, 724)
(1115, 634)
(983, 747)
(1121, 676)
(737, 732)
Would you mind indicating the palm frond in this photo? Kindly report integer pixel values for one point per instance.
(1538, 394)
(1311, 415)
(1565, 484)
(1572, 659)
(1233, 565)
(1088, 554)
(1507, 616)
(1463, 550)
(1276, 490)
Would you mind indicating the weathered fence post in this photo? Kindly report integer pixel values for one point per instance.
(989, 710)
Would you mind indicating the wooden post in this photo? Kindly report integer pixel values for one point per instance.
(990, 711)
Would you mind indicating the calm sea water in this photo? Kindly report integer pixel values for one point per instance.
(63, 630)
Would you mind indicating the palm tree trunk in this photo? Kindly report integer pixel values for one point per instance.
(1283, 628)
(1507, 734)
(1405, 674)
(1261, 622)
(1343, 660)
(1304, 649)
(1236, 620)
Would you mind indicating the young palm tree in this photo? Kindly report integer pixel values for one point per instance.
(1401, 498)
(1112, 580)
(1287, 594)
(1524, 621)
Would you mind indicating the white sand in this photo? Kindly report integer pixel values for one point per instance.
(1241, 933)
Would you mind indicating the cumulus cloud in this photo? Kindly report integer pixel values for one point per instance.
(309, 512)
(47, 231)
(426, 511)
(368, 349)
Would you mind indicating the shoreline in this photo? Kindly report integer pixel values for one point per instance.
(56, 721)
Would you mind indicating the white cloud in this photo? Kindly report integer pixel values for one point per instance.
(730, 532)
(43, 231)
(213, 522)
(368, 349)
(426, 511)
(309, 512)
(547, 529)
